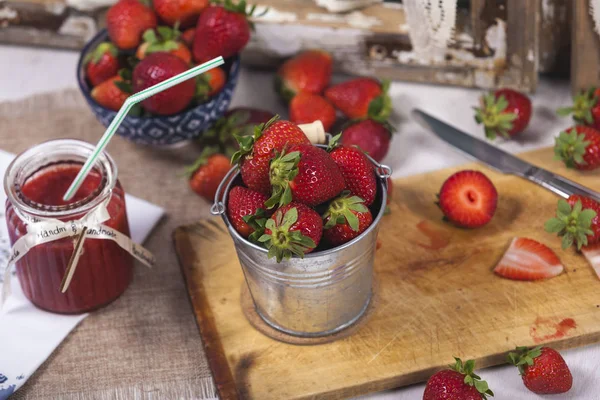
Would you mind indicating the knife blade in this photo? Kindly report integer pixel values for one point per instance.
(499, 159)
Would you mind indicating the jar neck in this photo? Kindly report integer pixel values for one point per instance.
(50, 157)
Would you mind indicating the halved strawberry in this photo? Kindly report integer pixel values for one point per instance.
(468, 199)
(528, 260)
(592, 255)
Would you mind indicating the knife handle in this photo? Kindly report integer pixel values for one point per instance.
(558, 184)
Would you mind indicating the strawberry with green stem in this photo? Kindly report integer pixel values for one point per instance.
(158, 67)
(307, 107)
(504, 112)
(110, 93)
(543, 370)
(210, 83)
(102, 63)
(164, 39)
(294, 229)
(222, 30)
(577, 221)
(256, 151)
(579, 147)
(370, 136)
(127, 20)
(306, 174)
(246, 212)
(357, 170)
(585, 108)
(207, 172)
(361, 98)
(459, 382)
(183, 12)
(307, 72)
(237, 122)
(346, 217)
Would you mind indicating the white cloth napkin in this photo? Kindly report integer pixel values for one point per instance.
(29, 335)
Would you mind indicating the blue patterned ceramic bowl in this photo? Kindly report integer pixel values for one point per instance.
(159, 130)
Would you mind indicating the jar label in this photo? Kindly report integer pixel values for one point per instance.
(46, 230)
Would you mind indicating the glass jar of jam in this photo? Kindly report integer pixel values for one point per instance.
(35, 183)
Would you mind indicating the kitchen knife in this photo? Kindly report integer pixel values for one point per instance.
(501, 160)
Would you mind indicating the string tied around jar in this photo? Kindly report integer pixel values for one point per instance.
(44, 230)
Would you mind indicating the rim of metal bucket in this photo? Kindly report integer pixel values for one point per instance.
(218, 208)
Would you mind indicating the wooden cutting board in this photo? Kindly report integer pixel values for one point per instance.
(435, 297)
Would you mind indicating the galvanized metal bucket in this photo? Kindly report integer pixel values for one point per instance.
(318, 295)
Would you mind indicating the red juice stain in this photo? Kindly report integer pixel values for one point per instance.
(437, 239)
(545, 329)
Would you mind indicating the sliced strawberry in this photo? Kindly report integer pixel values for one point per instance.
(468, 199)
(592, 255)
(528, 260)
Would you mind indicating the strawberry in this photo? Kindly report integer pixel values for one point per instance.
(237, 121)
(166, 41)
(127, 20)
(542, 369)
(504, 112)
(528, 260)
(361, 98)
(292, 229)
(308, 72)
(457, 383)
(210, 83)
(102, 63)
(182, 12)
(357, 170)
(577, 221)
(468, 199)
(223, 29)
(109, 95)
(592, 255)
(256, 151)
(346, 217)
(370, 136)
(188, 37)
(579, 147)
(155, 68)
(207, 172)
(306, 174)
(306, 108)
(585, 109)
(246, 211)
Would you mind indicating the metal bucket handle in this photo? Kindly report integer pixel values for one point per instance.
(218, 207)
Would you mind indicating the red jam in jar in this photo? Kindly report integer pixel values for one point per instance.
(35, 183)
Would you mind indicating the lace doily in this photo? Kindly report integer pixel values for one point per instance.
(595, 13)
(431, 27)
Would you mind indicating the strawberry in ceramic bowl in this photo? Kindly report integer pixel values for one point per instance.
(156, 129)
